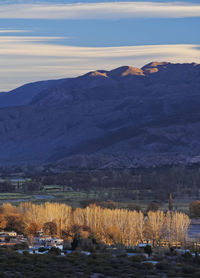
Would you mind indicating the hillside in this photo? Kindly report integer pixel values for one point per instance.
(125, 117)
(24, 94)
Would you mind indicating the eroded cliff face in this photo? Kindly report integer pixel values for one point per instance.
(125, 117)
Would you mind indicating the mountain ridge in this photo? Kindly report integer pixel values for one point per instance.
(19, 96)
(125, 117)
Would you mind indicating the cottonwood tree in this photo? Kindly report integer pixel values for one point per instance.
(155, 225)
(118, 226)
(3, 221)
(61, 214)
(32, 229)
(180, 224)
(50, 228)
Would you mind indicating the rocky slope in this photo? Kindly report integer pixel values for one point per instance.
(125, 117)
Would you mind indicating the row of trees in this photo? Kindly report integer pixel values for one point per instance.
(155, 182)
(111, 226)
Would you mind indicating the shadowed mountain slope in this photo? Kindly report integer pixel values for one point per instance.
(125, 117)
(24, 94)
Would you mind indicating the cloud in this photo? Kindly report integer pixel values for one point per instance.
(103, 10)
(26, 59)
(7, 31)
(27, 39)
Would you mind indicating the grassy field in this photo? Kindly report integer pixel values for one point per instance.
(13, 196)
(73, 198)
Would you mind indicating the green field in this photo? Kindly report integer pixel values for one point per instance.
(73, 198)
(13, 196)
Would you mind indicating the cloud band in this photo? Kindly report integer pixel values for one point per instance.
(24, 60)
(104, 10)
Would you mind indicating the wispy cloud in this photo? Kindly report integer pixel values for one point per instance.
(104, 10)
(7, 31)
(27, 59)
(27, 39)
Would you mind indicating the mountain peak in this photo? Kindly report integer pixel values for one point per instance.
(155, 64)
(98, 73)
(154, 67)
(132, 71)
(125, 71)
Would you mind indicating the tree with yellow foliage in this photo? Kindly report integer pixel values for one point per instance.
(111, 226)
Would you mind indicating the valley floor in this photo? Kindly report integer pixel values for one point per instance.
(74, 198)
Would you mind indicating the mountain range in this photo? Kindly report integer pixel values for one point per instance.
(125, 117)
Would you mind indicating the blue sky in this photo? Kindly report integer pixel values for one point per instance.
(55, 39)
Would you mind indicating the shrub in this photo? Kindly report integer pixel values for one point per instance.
(134, 207)
(195, 209)
(42, 249)
(20, 246)
(25, 252)
(188, 269)
(148, 249)
(153, 206)
(136, 259)
(55, 251)
(148, 265)
(163, 265)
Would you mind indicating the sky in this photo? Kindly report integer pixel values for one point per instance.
(51, 39)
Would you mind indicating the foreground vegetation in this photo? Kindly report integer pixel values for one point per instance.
(98, 265)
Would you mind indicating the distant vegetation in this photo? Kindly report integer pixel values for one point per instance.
(127, 188)
(159, 182)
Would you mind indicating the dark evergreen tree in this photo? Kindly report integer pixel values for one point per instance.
(170, 201)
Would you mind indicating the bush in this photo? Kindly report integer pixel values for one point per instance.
(148, 249)
(131, 250)
(42, 249)
(195, 209)
(163, 266)
(136, 259)
(54, 251)
(148, 265)
(188, 269)
(20, 246)
(153, 206)
(2, 275)
(108, 204)
(134, 207)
